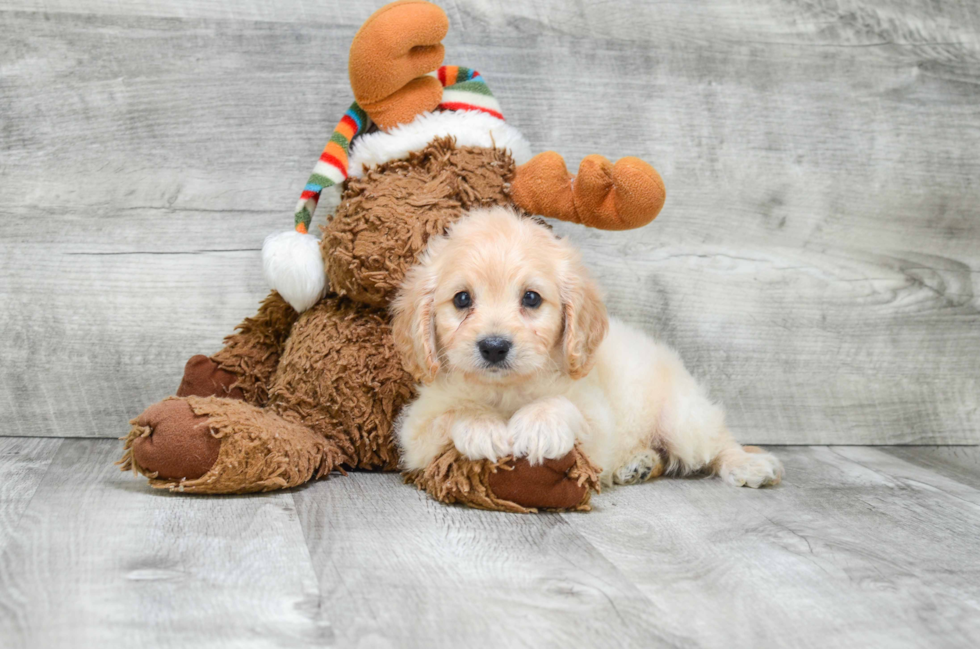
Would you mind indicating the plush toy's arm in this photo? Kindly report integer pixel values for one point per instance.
(607, 196)
(510, 485)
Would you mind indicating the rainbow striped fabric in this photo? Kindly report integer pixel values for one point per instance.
(331, 168)
(463, 89)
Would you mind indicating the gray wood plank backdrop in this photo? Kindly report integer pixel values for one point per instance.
(815, 262)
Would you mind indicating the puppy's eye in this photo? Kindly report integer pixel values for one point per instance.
(531, 300)
(462, 300)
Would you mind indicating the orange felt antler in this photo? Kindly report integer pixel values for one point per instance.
(390, 56)
(607, 196)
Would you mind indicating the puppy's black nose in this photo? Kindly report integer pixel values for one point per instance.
(494, 349)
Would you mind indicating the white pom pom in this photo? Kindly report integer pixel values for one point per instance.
(292, 265)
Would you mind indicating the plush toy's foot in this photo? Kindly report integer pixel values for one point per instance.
(170, 442)
(508, 485)
(621, 196)
(213, 445)
(205, 378)
(244, 367)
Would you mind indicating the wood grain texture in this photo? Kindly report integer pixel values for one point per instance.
(397, 569)
(23, 462)
(815, 262)
(350, 14)
(857, 548)
(960, 463)
(99, 559)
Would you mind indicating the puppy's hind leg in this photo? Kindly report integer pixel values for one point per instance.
(694, 433)
(748, 466)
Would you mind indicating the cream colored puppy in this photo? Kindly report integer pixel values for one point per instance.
(510, 337)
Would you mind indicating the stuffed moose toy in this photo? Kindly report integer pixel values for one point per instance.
(313, 382)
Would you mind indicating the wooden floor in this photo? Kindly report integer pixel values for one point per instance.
(859, 547)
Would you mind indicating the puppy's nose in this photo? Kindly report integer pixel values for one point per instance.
(494, 349)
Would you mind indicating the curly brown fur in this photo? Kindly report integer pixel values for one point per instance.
(340, 376)
(252, 352)
(386, 218)
(205, 378)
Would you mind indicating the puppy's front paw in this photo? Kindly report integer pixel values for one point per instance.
(482, 439)
(751, 467)
(545, 430)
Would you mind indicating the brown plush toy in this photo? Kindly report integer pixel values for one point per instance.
(312, 382)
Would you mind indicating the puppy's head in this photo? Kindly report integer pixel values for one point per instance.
(498, 299)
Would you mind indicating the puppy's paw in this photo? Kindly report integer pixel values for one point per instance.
(750, 467)
(482, 438)
(545, 429)
(641, 467)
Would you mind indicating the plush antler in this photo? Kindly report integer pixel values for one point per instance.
(391, 59)
(390, 56)
(621, 196)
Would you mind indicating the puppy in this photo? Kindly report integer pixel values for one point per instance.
(510, 338)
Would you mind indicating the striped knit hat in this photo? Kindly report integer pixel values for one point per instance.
(291, 260)
(463, 89)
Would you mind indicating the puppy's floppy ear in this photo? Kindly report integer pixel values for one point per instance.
(586, 322)
(413, 324)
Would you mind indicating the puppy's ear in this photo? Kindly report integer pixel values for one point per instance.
(413, 323)
(586, 322)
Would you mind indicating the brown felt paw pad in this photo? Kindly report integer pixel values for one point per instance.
(204, 378)
(545, 486)
(180, 443)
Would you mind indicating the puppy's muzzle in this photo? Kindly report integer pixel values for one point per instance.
(494, 349)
